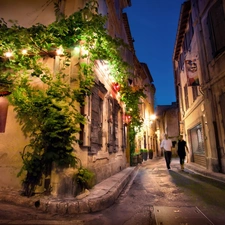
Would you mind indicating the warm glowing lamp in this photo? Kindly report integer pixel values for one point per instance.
(152, 117)
(8, 54)
(24, 51)
(59, 51)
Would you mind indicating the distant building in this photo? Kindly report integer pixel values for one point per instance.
(167, 122)
(145, 138)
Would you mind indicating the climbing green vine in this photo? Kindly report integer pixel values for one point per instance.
(44, 102)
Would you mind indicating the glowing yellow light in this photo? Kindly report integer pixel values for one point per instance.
(77, 49)
(24, 51)
(8, 54)
(153, 117)
(59, 51)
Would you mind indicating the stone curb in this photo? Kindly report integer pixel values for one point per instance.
(101, 197)
(203, 171)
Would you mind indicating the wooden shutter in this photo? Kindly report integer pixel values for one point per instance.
(216, 21)
(113, 109)
(98, 93)
(195, 92)
(186, 96)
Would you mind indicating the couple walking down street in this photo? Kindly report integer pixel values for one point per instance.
(166, 147)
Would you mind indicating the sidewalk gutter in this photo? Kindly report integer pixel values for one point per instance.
(100, 197)
(204, 172)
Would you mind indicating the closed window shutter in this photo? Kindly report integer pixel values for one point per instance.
(113, 109)
(96, 122)
(110, 125)
(186, 96)
(216, 21)
(116, 108)
(195, 92)
(98, 95)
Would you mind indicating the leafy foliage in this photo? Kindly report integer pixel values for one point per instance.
(84, 178)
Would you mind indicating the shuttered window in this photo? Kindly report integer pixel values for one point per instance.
(188, 36)
(195, 92)
(186, 96)
(181, 61)
(96, 122)
(117, 7)
(216, 23)
(113, 109)
(98, 93)
(186, 42)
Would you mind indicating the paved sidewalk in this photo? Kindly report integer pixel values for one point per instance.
(195, 168)
(204, 172)
(100, 197)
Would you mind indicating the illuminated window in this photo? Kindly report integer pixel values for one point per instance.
(197, 141)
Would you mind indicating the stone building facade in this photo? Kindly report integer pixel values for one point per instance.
(145, 138)
(199, 72)
(104, 136)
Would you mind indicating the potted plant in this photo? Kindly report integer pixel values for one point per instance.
(144, 154)
(134, 159)
(139, 157)
(83, 179)
(150, 152)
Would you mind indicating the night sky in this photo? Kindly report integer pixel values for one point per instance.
(153, 25)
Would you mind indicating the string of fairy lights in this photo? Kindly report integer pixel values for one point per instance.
(59, 52)
(9, 54)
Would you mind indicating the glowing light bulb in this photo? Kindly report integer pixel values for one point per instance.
(153, 117)
(77, 49)
(24, 51)
(59, 51)
(8, 54)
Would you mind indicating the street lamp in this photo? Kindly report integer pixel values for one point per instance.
(152, 117)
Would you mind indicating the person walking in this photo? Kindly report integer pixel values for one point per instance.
(181, 150)
(166, 146)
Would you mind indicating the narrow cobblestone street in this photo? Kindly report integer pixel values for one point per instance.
(155, 195)
(154, 186)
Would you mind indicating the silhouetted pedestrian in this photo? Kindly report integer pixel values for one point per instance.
(166, 146)
(181, 150)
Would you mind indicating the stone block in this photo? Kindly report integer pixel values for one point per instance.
(73, 207)
(94, 204)
(52, 207)
(62, 208)
(107, 200)
(43, 205)
(83, 206)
